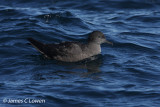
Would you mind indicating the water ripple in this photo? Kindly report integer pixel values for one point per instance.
(125, 74)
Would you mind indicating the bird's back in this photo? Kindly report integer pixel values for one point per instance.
(65, 51)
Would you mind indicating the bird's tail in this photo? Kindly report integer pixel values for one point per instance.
(38, 45)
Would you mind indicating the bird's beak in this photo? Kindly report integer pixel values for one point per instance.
(109, 42)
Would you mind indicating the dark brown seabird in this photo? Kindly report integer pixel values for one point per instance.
(72, 51)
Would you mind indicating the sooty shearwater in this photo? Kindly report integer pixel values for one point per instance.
(72, 51)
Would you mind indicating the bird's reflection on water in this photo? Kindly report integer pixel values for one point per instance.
(89, 68)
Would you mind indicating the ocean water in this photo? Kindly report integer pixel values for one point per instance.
(126, 74)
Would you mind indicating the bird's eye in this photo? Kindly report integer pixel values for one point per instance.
(103, 36)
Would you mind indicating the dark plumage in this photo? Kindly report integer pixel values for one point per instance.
(71, 51)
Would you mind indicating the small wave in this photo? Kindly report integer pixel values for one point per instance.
(135, 47)
(127, 4)
(139, 34)
(55, 16)
(114, 18)
(141, 93)
(144, 18)
(144, 73)
(10, 14)
(63, 19)
(124, 4)
(91, 7)
(118, 23)
(62, 100)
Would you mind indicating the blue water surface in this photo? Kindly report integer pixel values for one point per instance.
(126, 74)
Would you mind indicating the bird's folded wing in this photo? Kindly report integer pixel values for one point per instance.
(64, 49)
